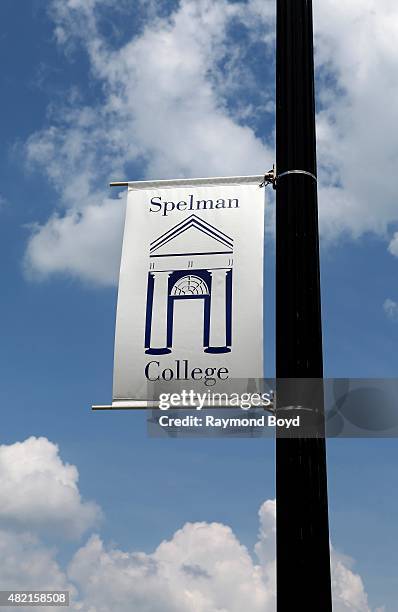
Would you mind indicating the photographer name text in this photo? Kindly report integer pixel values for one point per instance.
(229, 422)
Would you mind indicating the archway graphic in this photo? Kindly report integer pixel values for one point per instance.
(187, 263)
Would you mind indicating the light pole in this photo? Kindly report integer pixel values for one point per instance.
(303, 556)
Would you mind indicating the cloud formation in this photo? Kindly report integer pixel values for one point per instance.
(184, 96)
(391, 309)
(163, 113)
(358, 100)
(39, 491)
(202, 568)
(28, 564)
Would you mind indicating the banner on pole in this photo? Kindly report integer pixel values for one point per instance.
(190, 301)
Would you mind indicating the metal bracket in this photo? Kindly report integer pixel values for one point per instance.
(269, 178)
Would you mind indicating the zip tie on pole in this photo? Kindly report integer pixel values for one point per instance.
(297, 172)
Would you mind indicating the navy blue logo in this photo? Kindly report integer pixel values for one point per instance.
(193, 260)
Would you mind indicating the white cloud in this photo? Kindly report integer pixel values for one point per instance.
(391, 309)
(164, 109)
(39, 491)
(266, 544)
(202, 568)
(169, 110)
(80, 243)
(27, 564)
(393, 246)
(348, 590)
(358, 91)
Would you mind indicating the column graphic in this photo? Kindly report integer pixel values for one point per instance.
(158, 326)
(218, 312)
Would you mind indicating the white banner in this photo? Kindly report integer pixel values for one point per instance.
(190, 302)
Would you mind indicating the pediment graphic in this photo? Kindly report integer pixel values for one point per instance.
(193, 236)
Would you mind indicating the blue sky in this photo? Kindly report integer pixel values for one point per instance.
(96, 91)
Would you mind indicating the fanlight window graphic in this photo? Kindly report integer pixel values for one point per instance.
(190, 285)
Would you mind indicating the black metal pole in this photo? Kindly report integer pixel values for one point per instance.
(303, 556)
